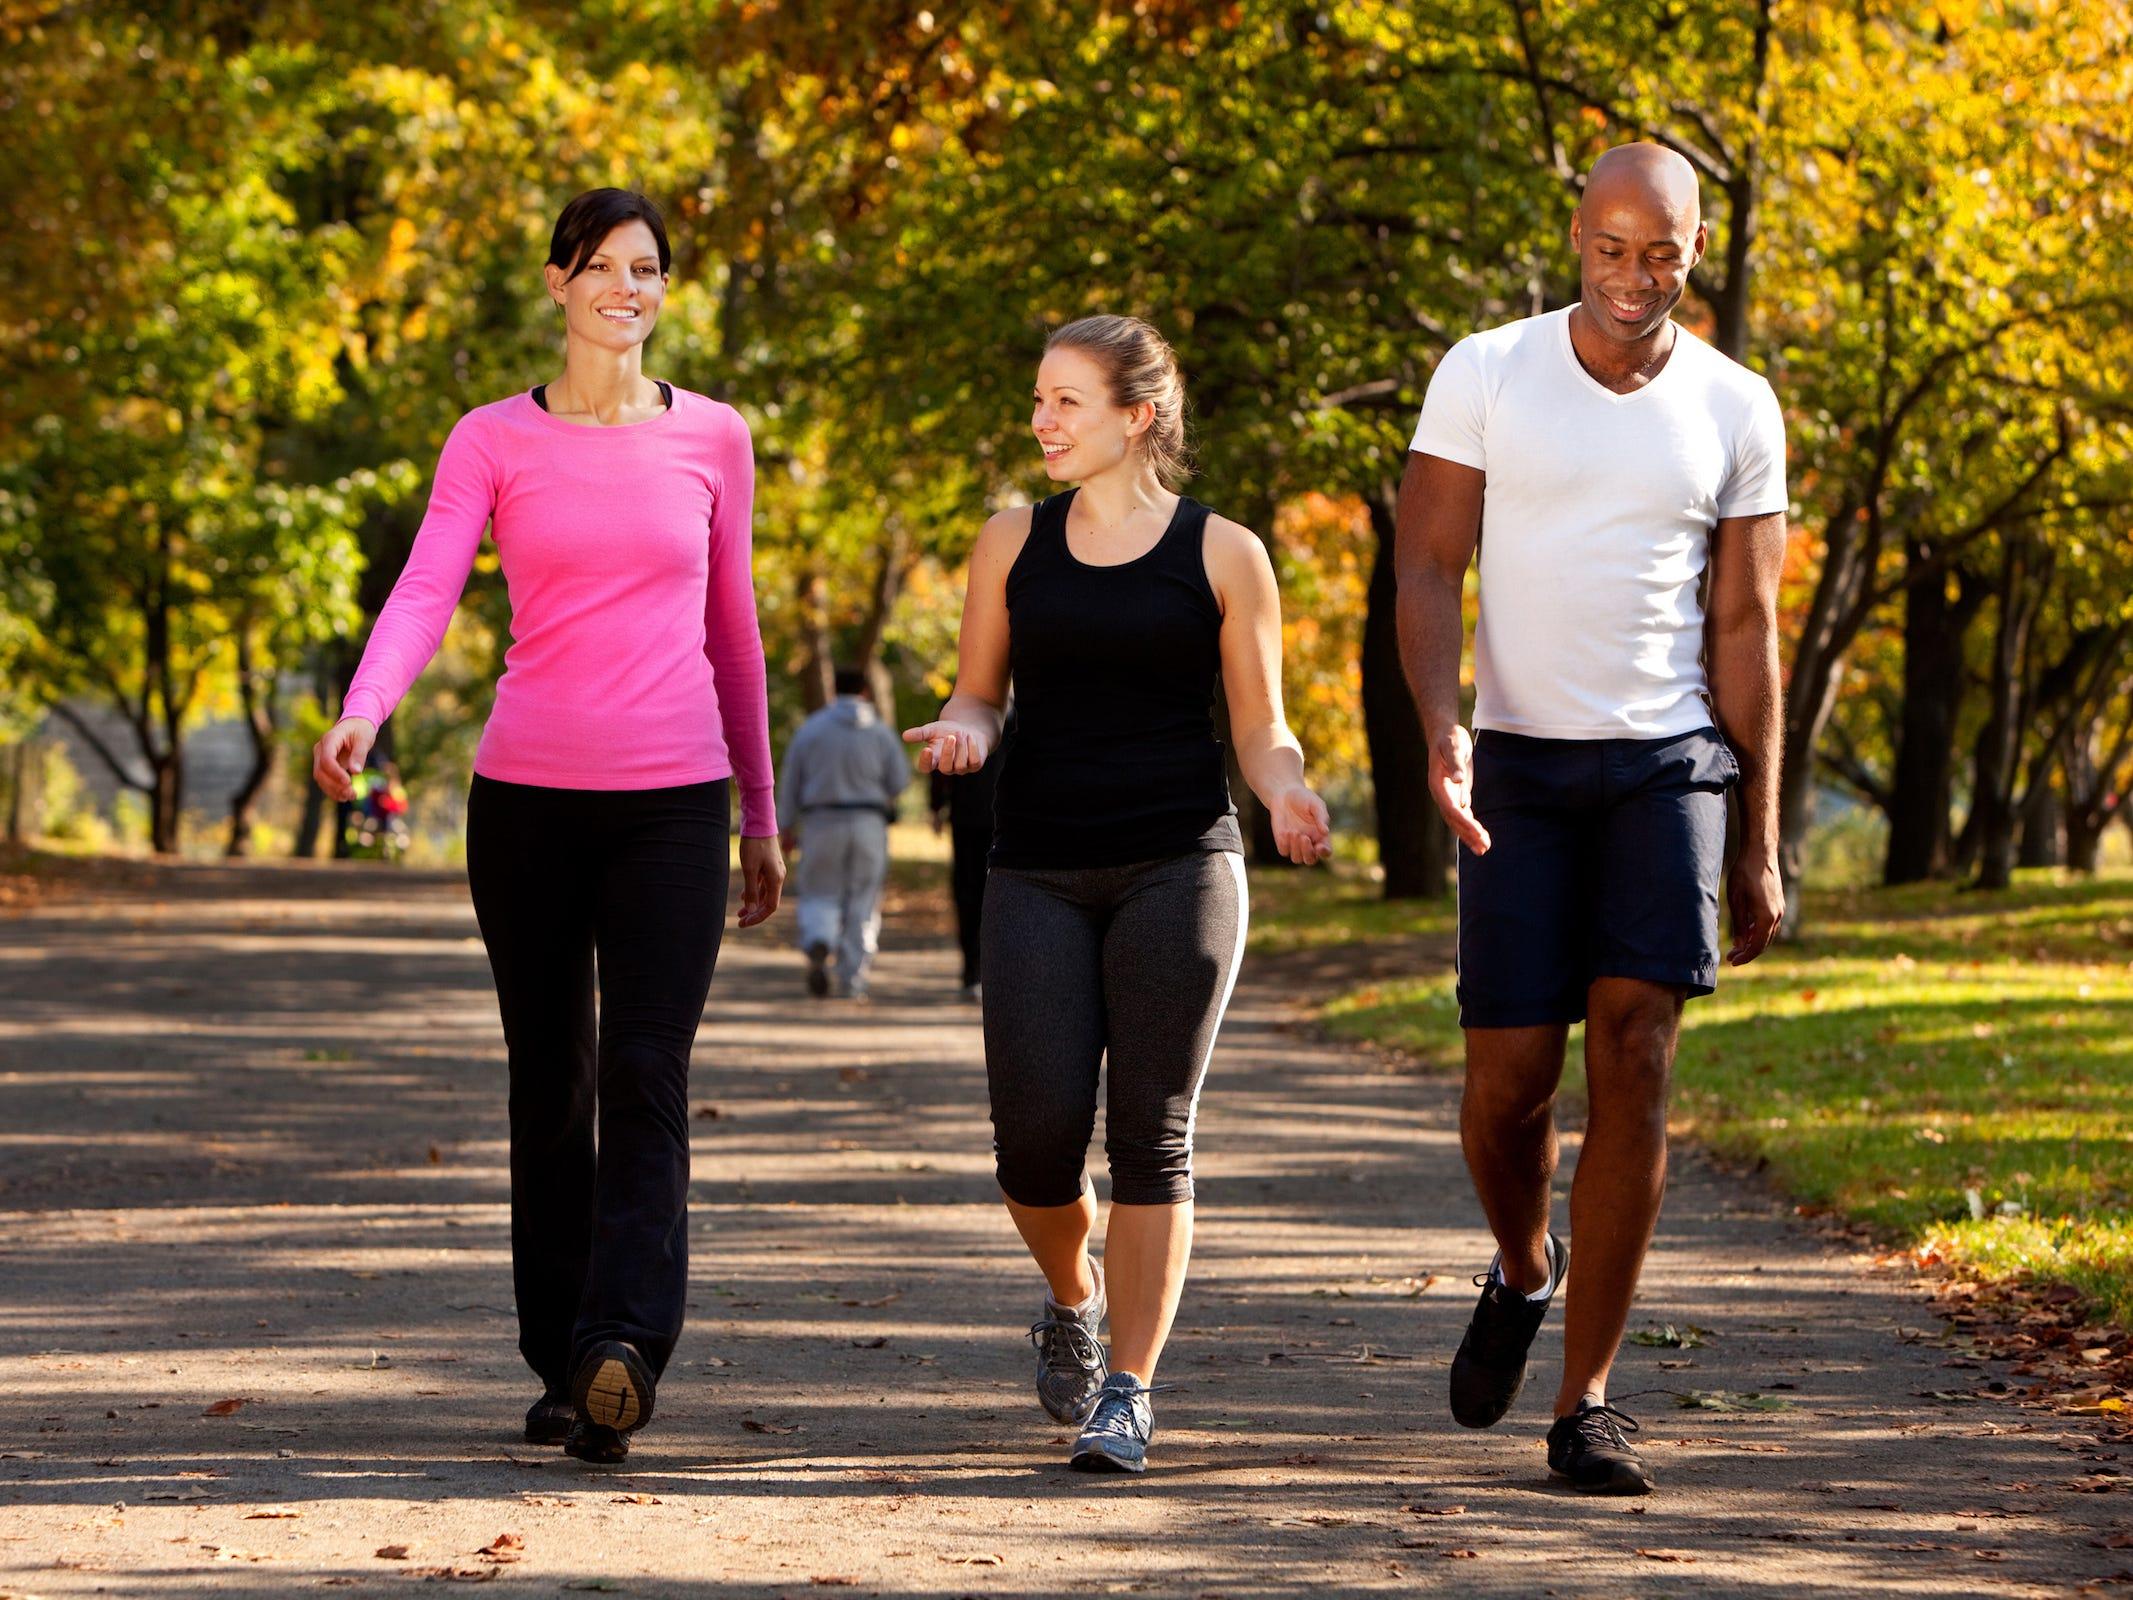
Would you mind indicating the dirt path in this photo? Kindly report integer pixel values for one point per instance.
(252, 1152)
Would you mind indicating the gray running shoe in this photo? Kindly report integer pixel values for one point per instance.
(1070, 1357)
(1115, 1438)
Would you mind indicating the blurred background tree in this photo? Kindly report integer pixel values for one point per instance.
(263, 263)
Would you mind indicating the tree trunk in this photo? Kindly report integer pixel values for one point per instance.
(818, 678)
(255, 698)
(2043, 826)
(1919, 802)
(2000, 750)
(1839, 606)
(1414, 846)
(2084, 842)
(18, 761)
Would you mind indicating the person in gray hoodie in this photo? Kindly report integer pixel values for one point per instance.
(837, 790)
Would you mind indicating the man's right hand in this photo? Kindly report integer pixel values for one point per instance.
(950, 747)
(1451, 785)
(339, 756)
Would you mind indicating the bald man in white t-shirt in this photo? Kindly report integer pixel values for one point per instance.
(1625, 484)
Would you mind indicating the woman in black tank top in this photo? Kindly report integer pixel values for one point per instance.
(1115, 911)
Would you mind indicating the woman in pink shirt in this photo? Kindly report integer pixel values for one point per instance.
(632, 700)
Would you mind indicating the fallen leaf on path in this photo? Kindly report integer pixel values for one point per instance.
(454, 1574)
(1460, 1555)
(874, 1343)
(1721, 1400)
(636, 1500)
(1666, 1555)
(1920, 1544)
(890, 1298)
(180, 1494)
(2114, 1541)
(601, 1585)
(272, 1514)
(986, 1559)
(1666, 1336)
(1436, 1511)
(504, 1547)
(222, 1408)
(824, 1580)
(754, 1426)
(2097, 1483)
(391, 1552)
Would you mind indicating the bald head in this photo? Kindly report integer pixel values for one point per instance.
(1638, 233)
(1644, 175)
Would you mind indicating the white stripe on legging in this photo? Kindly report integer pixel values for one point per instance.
(1236, 965)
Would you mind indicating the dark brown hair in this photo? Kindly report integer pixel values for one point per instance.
(595, 214)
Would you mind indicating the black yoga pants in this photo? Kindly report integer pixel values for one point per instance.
(623, 890)
(1129, 967)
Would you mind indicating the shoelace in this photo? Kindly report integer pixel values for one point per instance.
(1603, 1425)
(1113, 1411)
(1067, 1345)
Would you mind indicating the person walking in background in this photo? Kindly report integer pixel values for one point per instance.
(1615, 471)
(1115, 911)
(837, 796)
(963, 806)
(632, 698)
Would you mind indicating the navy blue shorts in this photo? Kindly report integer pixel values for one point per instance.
(1604, 862)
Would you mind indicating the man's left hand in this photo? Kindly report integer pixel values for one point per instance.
(1756, 894)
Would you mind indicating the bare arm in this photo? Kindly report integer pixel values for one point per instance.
(960, 739)
(1439, 525)
(1268, 754)
(1747, 555)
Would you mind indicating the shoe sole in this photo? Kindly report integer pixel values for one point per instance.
(1623, 1481)
(613, 1388)
(611, 1397)
(1101, 1461)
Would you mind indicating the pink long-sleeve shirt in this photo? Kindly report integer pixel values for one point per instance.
(635, 661)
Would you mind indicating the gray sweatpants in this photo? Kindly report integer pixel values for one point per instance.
(844, 861)
(1132, 965)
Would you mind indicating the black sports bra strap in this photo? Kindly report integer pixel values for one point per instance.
(666, 395)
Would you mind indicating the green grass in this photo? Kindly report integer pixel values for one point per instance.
(1953, 1069)
(1298, 909)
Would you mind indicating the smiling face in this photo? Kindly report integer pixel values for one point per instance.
(615, 296)
(1079, 428)
(1638, 233)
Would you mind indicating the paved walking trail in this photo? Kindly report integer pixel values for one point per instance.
(252, 1152)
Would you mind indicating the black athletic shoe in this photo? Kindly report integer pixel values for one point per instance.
(1588, 1447)
(550, 1419)
(818, 976)
(601, 1447)
(1490, 1367)
(613, 1387)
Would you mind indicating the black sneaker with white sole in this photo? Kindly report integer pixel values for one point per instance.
(1490, 1367)
(1591, 1449)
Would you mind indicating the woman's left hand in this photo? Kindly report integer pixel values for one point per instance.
(762, 878)
(1303, 831)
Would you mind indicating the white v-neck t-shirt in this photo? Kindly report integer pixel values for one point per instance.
(1596, 523)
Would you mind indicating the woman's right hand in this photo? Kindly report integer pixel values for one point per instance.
(950, 747)
(337, 758)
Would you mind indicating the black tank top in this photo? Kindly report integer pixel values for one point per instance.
(1114, 757)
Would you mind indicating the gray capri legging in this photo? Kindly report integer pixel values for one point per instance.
(1135, 963)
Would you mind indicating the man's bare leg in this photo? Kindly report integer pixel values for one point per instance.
(1631, 1029)
(1507, 1128)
